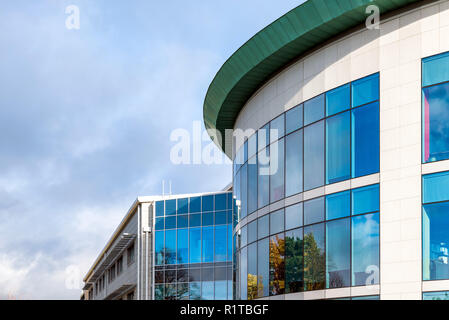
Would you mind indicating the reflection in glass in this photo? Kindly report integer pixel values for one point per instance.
(294, 261)
(243, 273)
(277, 264)
(435, 69)
(263, 184)
(263, 268)
(293, 216)
(435, 187)
(170, 247)
(338, 142)
(183, 206)
(314, 109)
(314, 258)
(159, 247)
(208, 244)
(338, 100)
(195, 290)
(195, 245)
(244, 190)
(314, 211)
(365, 90)
(277, 221)
(338, 205)
(293, 163)
(220, 290)
(252, 271)
(277, 171)
(252, 185)
(314, 156)
(294, 119)
(365, 200)
(338, 243)
(263, 228)
(207, 290)
(441, 295)
(220, 243)
(277, 129)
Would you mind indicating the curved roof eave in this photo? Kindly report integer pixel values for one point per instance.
(293, 34)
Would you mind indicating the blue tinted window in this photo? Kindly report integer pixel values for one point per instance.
(170, 247)
(252, 271)
(207, 290)
(314, 211)
(159, 208)
(230, 200)
(365, 90)
(252, 146)
(436, 123)
(338, 205)
(252, 185)
(220, 290)
(245, 151)
(195, 245)
(338, 152)
(435, 241)
(263, 267)
(435, 69)
(183, 221)
(365, 199)
(244, 190)
(159, 292)
(243, 273)
(263, 137)
(252, 231)
(365, 249)
(237, 195)
(159, 224)
(263, 227)
(293, 217)
(277, 221)
(365, 140)
(294, 261)
(338, 243)
(294, 119)
(277, 264)
(208, 219)
(263, 185)
(183, 246)
(338, 100)
(442, 295)
(195, 290)
(277, 129)
(170, 223)
(229, 242)
(314, 110)
(277, 171)
(244, 236)
(436, 187)
(314, 156)
(159, 247)
(314, 257)
(293, 163)
(183, 206)
(220, 243)
(220, 217)
(220, 201)
(208, 203)
(195, 220)
(229, 214)
(195, 204)
(170, 207)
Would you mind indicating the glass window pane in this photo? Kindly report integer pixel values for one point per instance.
(159, 292)
(365, 199)
(365, 90)
(229, 242)
(294, 119)
(277, 129)
(208, 244)
(208, 219)
(220, 201)
(195, 205)
(263, 183)
(244, 190)
(170, 247)
(277, 171)
(314, 211)
(183, 206)
(244, 236)
(252, 146)
(277, 264)
(263, 268)
(220, 217)
(159, 208)
(314, 156)
(243, 273)
(435, 69)
(435, 241)
(442, 295)
(365, 140)
(314, 110)
(220, 243)
(294, 261)
(252, 271)
(277, 221)
(436, 123)
(220, 290)
(366, 298)
(293, 216)
(183, 246)
(207, 203)
(183, 291)
(195, 245)
(263, 227)
(159, 223)
(436, 187)
(195, 290)
(338, 205)
(207, 290)
(252, 231)
(170, 207)
(245, 151)
(338, 152)
(195, 220)
(263, 137)
(338, 243)
(314, 257)
(237, 196)
(293, 163)
(338, 100)
(365, 249)
(170, 223)
(252, 185)
(159, 247)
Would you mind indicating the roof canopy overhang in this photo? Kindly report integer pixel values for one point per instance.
(297, 32)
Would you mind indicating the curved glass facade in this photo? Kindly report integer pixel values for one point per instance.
(330, 241)
(193, 248)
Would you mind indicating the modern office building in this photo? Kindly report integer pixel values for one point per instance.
(168, 248)
(342, 178)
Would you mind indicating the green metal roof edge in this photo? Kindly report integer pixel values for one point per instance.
(296, 32)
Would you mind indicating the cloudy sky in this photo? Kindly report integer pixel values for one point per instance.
(86, 117)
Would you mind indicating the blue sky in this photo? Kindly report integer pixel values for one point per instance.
(86, 117)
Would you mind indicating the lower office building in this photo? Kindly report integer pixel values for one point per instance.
(341, 178)
(168, 248)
